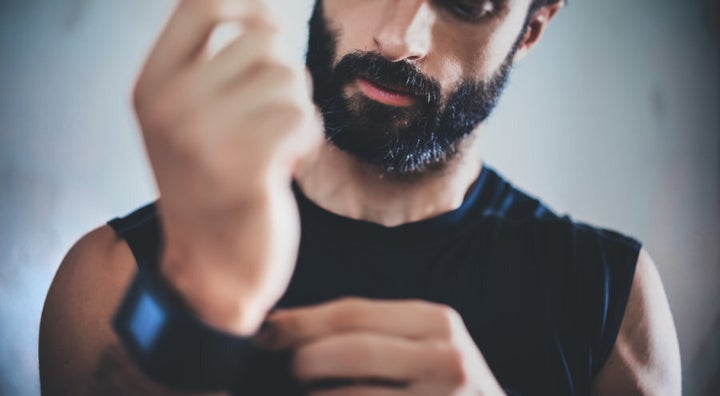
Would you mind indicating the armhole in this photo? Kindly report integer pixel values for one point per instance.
(620, 256)
(587, 279)
(141, 231)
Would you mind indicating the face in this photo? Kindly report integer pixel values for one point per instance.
(401, 84)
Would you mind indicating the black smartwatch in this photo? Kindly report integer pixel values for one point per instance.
(172, 346)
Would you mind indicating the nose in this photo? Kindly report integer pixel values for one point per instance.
(405, 30)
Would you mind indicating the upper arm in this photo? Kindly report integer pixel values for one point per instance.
(645, 359)
(75, 326)
(79, 352)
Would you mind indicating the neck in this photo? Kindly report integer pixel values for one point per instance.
(339, 183)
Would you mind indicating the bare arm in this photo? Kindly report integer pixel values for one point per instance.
(223, 133)
(646, 358)
(79, 352)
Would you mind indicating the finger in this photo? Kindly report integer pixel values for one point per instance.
(366, 356)
(266, 93)
(190, 27)
(403, 318)
(245, 53)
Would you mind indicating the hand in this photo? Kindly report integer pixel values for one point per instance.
(381, 348)
(223, 134)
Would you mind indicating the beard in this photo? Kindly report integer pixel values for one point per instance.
(401, 141)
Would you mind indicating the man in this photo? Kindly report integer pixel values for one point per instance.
(461, 283)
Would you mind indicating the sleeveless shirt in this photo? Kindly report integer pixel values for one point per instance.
(542, 295)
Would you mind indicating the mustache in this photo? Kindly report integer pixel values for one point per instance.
(400, 75)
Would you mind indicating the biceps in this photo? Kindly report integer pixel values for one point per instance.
(645, 359)
(75, 320)
(79, 352)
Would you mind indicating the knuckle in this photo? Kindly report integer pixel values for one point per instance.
(142, 95)
(349, 304)
(138, 97)
(282, 72)
(156, 116)
(450, 367)
(299, 366)
(448, 319)
(287, 116)
(271, 65)
(215, 8)
(256, 14)
(193, 6)
(345, 312)
(158, 108)
(454, 364)
(212, 9)
(264, 18)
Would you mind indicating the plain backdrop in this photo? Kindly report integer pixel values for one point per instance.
(614, 118)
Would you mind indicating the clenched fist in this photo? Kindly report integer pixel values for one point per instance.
(224, 133)
(356, 346)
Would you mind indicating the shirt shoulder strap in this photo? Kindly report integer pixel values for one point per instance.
(141, 231)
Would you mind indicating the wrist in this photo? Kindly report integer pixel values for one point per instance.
(171, 346)
(226, 306)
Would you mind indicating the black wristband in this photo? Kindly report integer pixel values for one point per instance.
(172, 346)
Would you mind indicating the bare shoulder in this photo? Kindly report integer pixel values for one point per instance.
(84, 294)
(645, 359)
(79, 352)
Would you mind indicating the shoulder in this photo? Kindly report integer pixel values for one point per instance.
(605, 287)
(560, 244)
(498, 197)
(100, 259)
(597, 281)
(75, 325)
(588, 275)
(79, 352)
(584, 273)
(645, 358)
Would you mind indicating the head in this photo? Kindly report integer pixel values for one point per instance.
(402, 84)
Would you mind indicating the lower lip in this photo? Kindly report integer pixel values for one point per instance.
(384, 96)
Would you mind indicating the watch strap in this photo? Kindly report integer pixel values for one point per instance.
(171, 345)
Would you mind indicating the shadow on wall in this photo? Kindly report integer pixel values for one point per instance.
(74, 13)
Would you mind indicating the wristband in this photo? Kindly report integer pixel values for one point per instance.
(173, 347)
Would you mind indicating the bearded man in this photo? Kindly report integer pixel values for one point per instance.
(348, 242)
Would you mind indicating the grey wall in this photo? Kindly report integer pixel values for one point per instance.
(614, 119)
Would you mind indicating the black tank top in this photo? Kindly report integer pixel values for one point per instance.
(543, 296)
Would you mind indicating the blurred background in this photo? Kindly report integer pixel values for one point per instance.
(614, 118)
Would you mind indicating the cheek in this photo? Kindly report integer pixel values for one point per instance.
(349, 19)
(501, 42)
(499, 47)
(458, 55)
(479, 52)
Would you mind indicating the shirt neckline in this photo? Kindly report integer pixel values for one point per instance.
(417, 234)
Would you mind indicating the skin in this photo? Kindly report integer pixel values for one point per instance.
(229, 251)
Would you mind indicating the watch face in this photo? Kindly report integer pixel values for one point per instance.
(146, 321)
(172, 346)
(141, 318)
